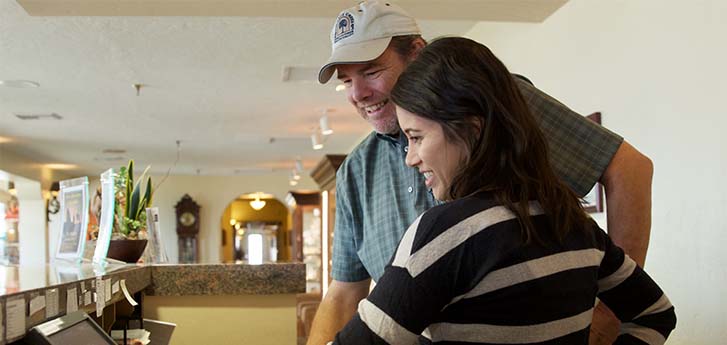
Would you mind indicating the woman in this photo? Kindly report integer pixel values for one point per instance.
(511, 258)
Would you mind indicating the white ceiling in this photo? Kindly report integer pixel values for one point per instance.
(214, 83)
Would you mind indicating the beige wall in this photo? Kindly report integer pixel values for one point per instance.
(213, 193)
(255, 319)
(656, 69)
(15, 164)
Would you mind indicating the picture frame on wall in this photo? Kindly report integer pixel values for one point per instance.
(593, 201)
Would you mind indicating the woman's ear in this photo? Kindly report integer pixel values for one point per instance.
(477, 122)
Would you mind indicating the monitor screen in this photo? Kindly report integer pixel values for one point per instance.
(82, 333)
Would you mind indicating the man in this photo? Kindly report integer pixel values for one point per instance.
(378, 196)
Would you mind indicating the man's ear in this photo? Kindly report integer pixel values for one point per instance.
(418, 44)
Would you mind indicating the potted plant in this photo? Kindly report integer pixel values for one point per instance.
(128, 239)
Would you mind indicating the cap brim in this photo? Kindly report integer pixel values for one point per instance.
(353, 53)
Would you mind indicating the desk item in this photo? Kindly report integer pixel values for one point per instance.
(106, 221)
(100, 296)
(51, 303)
(37, 303)
(73, 328)
(161, 332)
(127, 294)
(15, 313)
(71, 300)
(74, 218)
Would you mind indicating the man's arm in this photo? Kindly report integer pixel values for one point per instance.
(627, 181)
(337, 308)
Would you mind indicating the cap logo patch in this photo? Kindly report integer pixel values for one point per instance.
(344, 27)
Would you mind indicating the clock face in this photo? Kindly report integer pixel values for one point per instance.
(187, 219)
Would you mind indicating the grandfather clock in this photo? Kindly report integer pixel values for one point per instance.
(187, 229)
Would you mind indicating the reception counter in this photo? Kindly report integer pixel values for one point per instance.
(210, 303)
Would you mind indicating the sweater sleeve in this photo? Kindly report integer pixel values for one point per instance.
(646, 313)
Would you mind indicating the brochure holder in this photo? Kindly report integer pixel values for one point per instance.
(155, 252)
(74, 219)
(106, 220)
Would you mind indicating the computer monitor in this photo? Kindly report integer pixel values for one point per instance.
(75, 328)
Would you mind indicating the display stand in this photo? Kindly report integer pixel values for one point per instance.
(74, 219)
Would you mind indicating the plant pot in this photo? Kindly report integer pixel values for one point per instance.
(128, 251)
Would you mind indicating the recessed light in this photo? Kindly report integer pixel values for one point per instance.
(59, 166)
(20, 84)
(340, 87)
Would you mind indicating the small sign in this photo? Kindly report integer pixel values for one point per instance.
(37, 303)
(51, 303)
(74, 218)
(15, 312)
(71, 300)
(107, 290)
(100, 299)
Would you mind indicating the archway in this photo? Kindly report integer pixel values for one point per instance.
(270, 225)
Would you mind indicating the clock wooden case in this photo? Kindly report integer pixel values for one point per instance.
(187, 211)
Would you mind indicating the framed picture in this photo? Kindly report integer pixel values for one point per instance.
(593, 201)
(74, 218)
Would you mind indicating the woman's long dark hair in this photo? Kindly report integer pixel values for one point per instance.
(461, 85)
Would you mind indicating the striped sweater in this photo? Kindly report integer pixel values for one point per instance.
(463, 275)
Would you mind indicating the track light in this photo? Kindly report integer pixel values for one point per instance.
(325, 128)
(316, 141)
(299, 165)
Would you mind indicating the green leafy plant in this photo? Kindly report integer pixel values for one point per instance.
(131, 204)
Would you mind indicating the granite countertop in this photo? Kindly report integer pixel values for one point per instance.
(40, 283)
(223, 279)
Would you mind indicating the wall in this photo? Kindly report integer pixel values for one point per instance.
(656, 71)
(26, 167)
(213, 194)
(249, 319)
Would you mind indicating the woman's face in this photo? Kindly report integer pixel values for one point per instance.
(431, 152)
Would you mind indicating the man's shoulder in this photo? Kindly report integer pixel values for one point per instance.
(364, 152)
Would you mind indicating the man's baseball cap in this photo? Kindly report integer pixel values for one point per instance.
(362, 33)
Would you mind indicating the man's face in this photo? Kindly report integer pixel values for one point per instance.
(368, 86)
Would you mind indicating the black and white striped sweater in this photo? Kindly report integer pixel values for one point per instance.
(462, 275)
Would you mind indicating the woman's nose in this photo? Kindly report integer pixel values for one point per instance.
(412, 159)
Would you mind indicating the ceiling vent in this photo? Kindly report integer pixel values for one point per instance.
(300, 74)
(109, 159)
(52, 116)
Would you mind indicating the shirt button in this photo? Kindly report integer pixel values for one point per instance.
(406, 148)
(410, 189)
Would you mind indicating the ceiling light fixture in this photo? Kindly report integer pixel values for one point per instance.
(340, 87)
(316, 141)
(298, 165)
(257, 204)
(325, 128)
(19, 84)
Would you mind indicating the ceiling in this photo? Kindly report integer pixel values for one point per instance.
(211, 79)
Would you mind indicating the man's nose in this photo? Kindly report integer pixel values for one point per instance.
(359, 90)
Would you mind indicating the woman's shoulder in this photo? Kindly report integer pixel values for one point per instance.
(442, 217)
